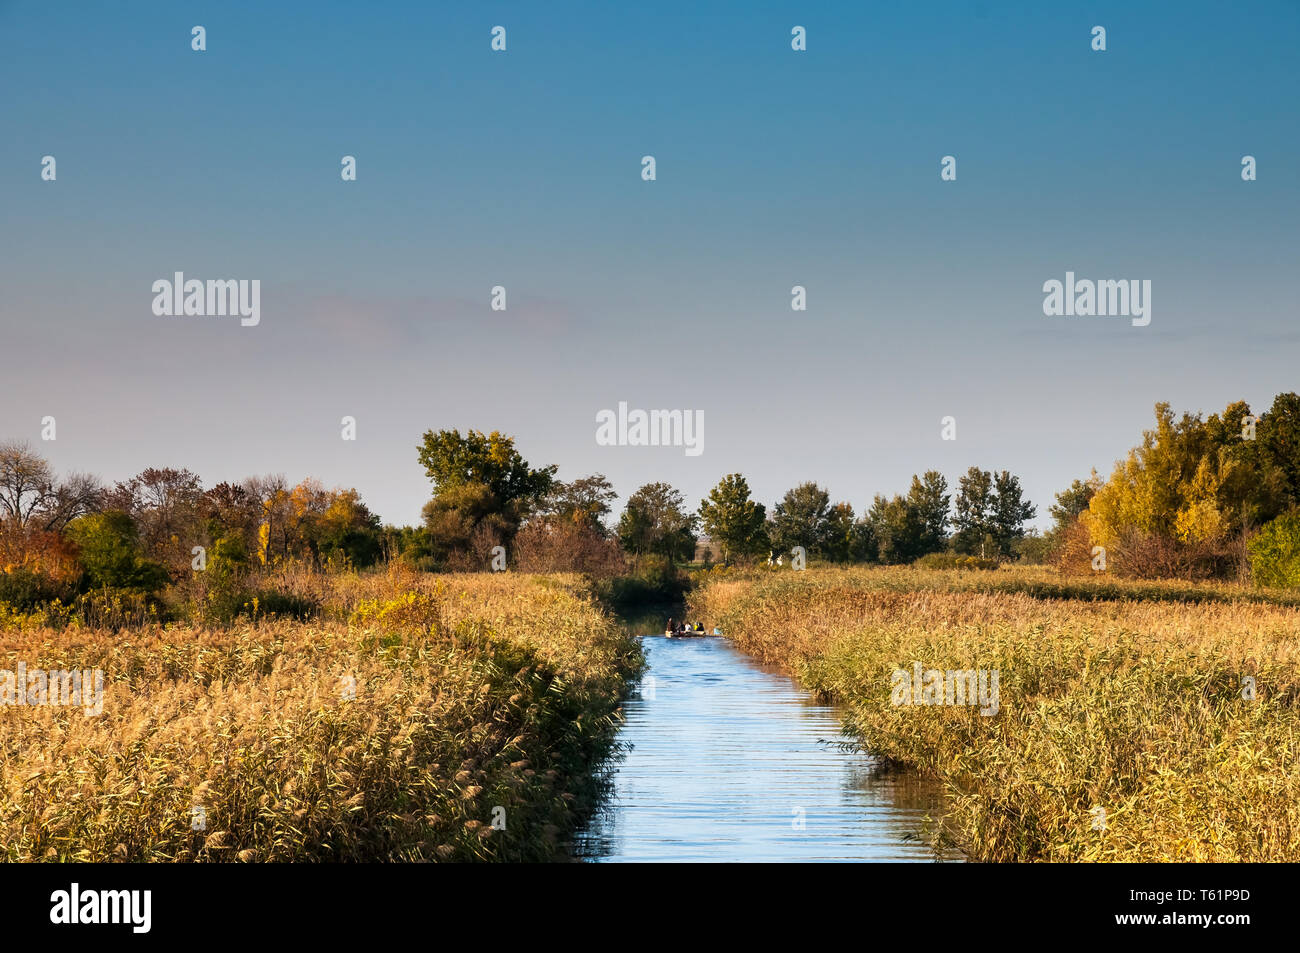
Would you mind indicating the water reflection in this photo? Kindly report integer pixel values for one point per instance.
(724, 761)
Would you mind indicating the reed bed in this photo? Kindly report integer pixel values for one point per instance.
(419, 719)
(1125, 730)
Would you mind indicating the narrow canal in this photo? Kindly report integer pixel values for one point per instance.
(727, 761)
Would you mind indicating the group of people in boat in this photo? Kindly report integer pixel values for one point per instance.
(683, 628)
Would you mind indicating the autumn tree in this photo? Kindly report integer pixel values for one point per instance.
(269, 500)
(1186, 499)
(347, 531)
(483, 490)
(229, 511)
(585, 501)
(164, 505)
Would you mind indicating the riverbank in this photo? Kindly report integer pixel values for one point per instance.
(1151, 727)
(420, 718)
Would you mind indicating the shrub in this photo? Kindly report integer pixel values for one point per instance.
(276, 604)
(222, 592)
(114, 609)
(24, 590)
(1139, 554)
(657, 582)
(955, 561)
(1275, 552)
(1033, 550)
(48, 615)
(557, 545)
(1071, 552)
(420, 611)
(109, 549)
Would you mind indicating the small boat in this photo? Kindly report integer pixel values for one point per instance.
(688, 634)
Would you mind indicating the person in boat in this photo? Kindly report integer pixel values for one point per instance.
(699, 627)
(671, 626)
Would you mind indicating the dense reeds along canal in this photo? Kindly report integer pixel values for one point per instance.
(727, 761)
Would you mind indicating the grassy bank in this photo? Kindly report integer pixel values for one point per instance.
(400, 725)
(1131, 702)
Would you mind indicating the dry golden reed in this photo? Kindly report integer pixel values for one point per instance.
(393, 730)
(1135, 706)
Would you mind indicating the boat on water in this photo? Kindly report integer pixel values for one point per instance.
(685, 634)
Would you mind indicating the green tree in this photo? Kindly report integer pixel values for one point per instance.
(111, 553)
(223, 583)
(733, 520)
(1278, 435)
(839, 541)
(974, 511)
(908, 527)
(864, 541)
(896, 529)
(1072, 501)
(928, 498)
(802, 518)
(1275, 552)
(1010, 512)
(409, 545)
(653, 522)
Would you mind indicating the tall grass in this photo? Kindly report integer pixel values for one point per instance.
(1135, 704)
(413, 715)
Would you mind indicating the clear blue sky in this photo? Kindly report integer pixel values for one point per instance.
(775, 168)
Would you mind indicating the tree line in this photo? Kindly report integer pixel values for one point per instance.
(1214, 497)
(63, 538)
(485, 494)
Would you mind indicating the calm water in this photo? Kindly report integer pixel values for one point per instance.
(727, 759)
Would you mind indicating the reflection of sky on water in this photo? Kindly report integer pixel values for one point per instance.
(723, 760)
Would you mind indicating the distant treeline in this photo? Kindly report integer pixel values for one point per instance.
(1196, 498)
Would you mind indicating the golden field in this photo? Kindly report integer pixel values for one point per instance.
(1128, 698)
(414, 714)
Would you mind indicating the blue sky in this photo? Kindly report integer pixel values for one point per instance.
(522, 169)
